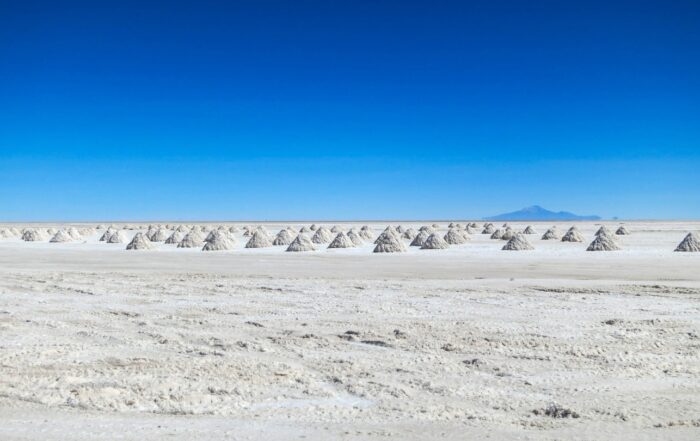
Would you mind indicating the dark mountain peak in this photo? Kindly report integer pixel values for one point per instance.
(537, 213)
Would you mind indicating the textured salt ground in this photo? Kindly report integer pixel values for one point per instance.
(374, 358)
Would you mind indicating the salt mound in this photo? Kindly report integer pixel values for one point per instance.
(497, 234)
(33, 235)
(159, 235)
(51, 231)
(388, 242)
(284, 237)
(233, 229)
(61, 236)
(341, 241)
(427, 229)
(175, 238)
(106, 234)
(191, 240)
(488, 229)
(409, 234)
(355, 237)
(518, 243)
(434, 242)
(304, 230)
(529, 230)
(573, 235)
(603, 230)
(603, 242)
(508, 234)
(336, 229)
(436, 226)
(551, 234)
(400, 229)
(301, 243)
(140, 242)
(220, 241)
(622, 231)
(690, 244)
(389, 230)
(259, 240)
(455, 237)
(313, 227)
(366, 233)
(74, 233)
(117, 237)
(322, 235)
(420, 239)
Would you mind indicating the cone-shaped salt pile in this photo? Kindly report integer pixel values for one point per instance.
(400, 229)
(436, 226)
(305, 230)
(434, 242)
(313, 227)
(529, 230)
(551, 234)
(301, 243)
(603, 242)
(284, 237)
(573, 235)
(451, 225)
(117, 237)
(341, 241)
(219, 242)
(159, 235)
(233, 230)
(52, 231)
(355, 237)
(691, 244)
(259, 240)
(388, 242)
(455, 237)
(428, 229)
(518, 243)
(488, 229)
(74, 233)
(139, 242)
(497, 234)
(603, 230)
(175, 238)
(336, 229)
(508, 234)
(366, 233)
(622, 231)
(33, 235)
(420, 239)
(106, 234)
(409, 234)
(182, 229)
(191, 240)
(61, 236)
(322, 235)
(389, 230)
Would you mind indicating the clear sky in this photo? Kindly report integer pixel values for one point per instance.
(348, 109)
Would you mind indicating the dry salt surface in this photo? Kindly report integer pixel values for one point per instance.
(470, 342)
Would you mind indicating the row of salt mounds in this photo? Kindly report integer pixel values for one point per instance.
(409, 234)
(159, 235)
(455, 236)
(572, 235)
(6, 233)
(389, 242)
(341, 241)
(420, 239)
(34, 235)
(140, 242)
(218, 240)
(518, 243)
(604, 241)
(435, 242)
(551, 234)
(61, 236)
(322, 235)
(301, 243)
(284, 237)
(117, 237)
(690, 244)
(488, 229)
(259, 239)
(74, 233)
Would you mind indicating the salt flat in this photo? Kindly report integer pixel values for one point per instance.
(471, 341)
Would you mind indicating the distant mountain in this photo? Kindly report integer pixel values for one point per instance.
(537, 213)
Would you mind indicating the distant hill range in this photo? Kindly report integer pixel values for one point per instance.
(537, 213)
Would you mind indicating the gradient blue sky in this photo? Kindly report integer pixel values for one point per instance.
(348, 110)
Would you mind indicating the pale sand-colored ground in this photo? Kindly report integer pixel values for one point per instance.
(97, 343)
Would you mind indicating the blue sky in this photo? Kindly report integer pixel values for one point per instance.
(348, 110)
